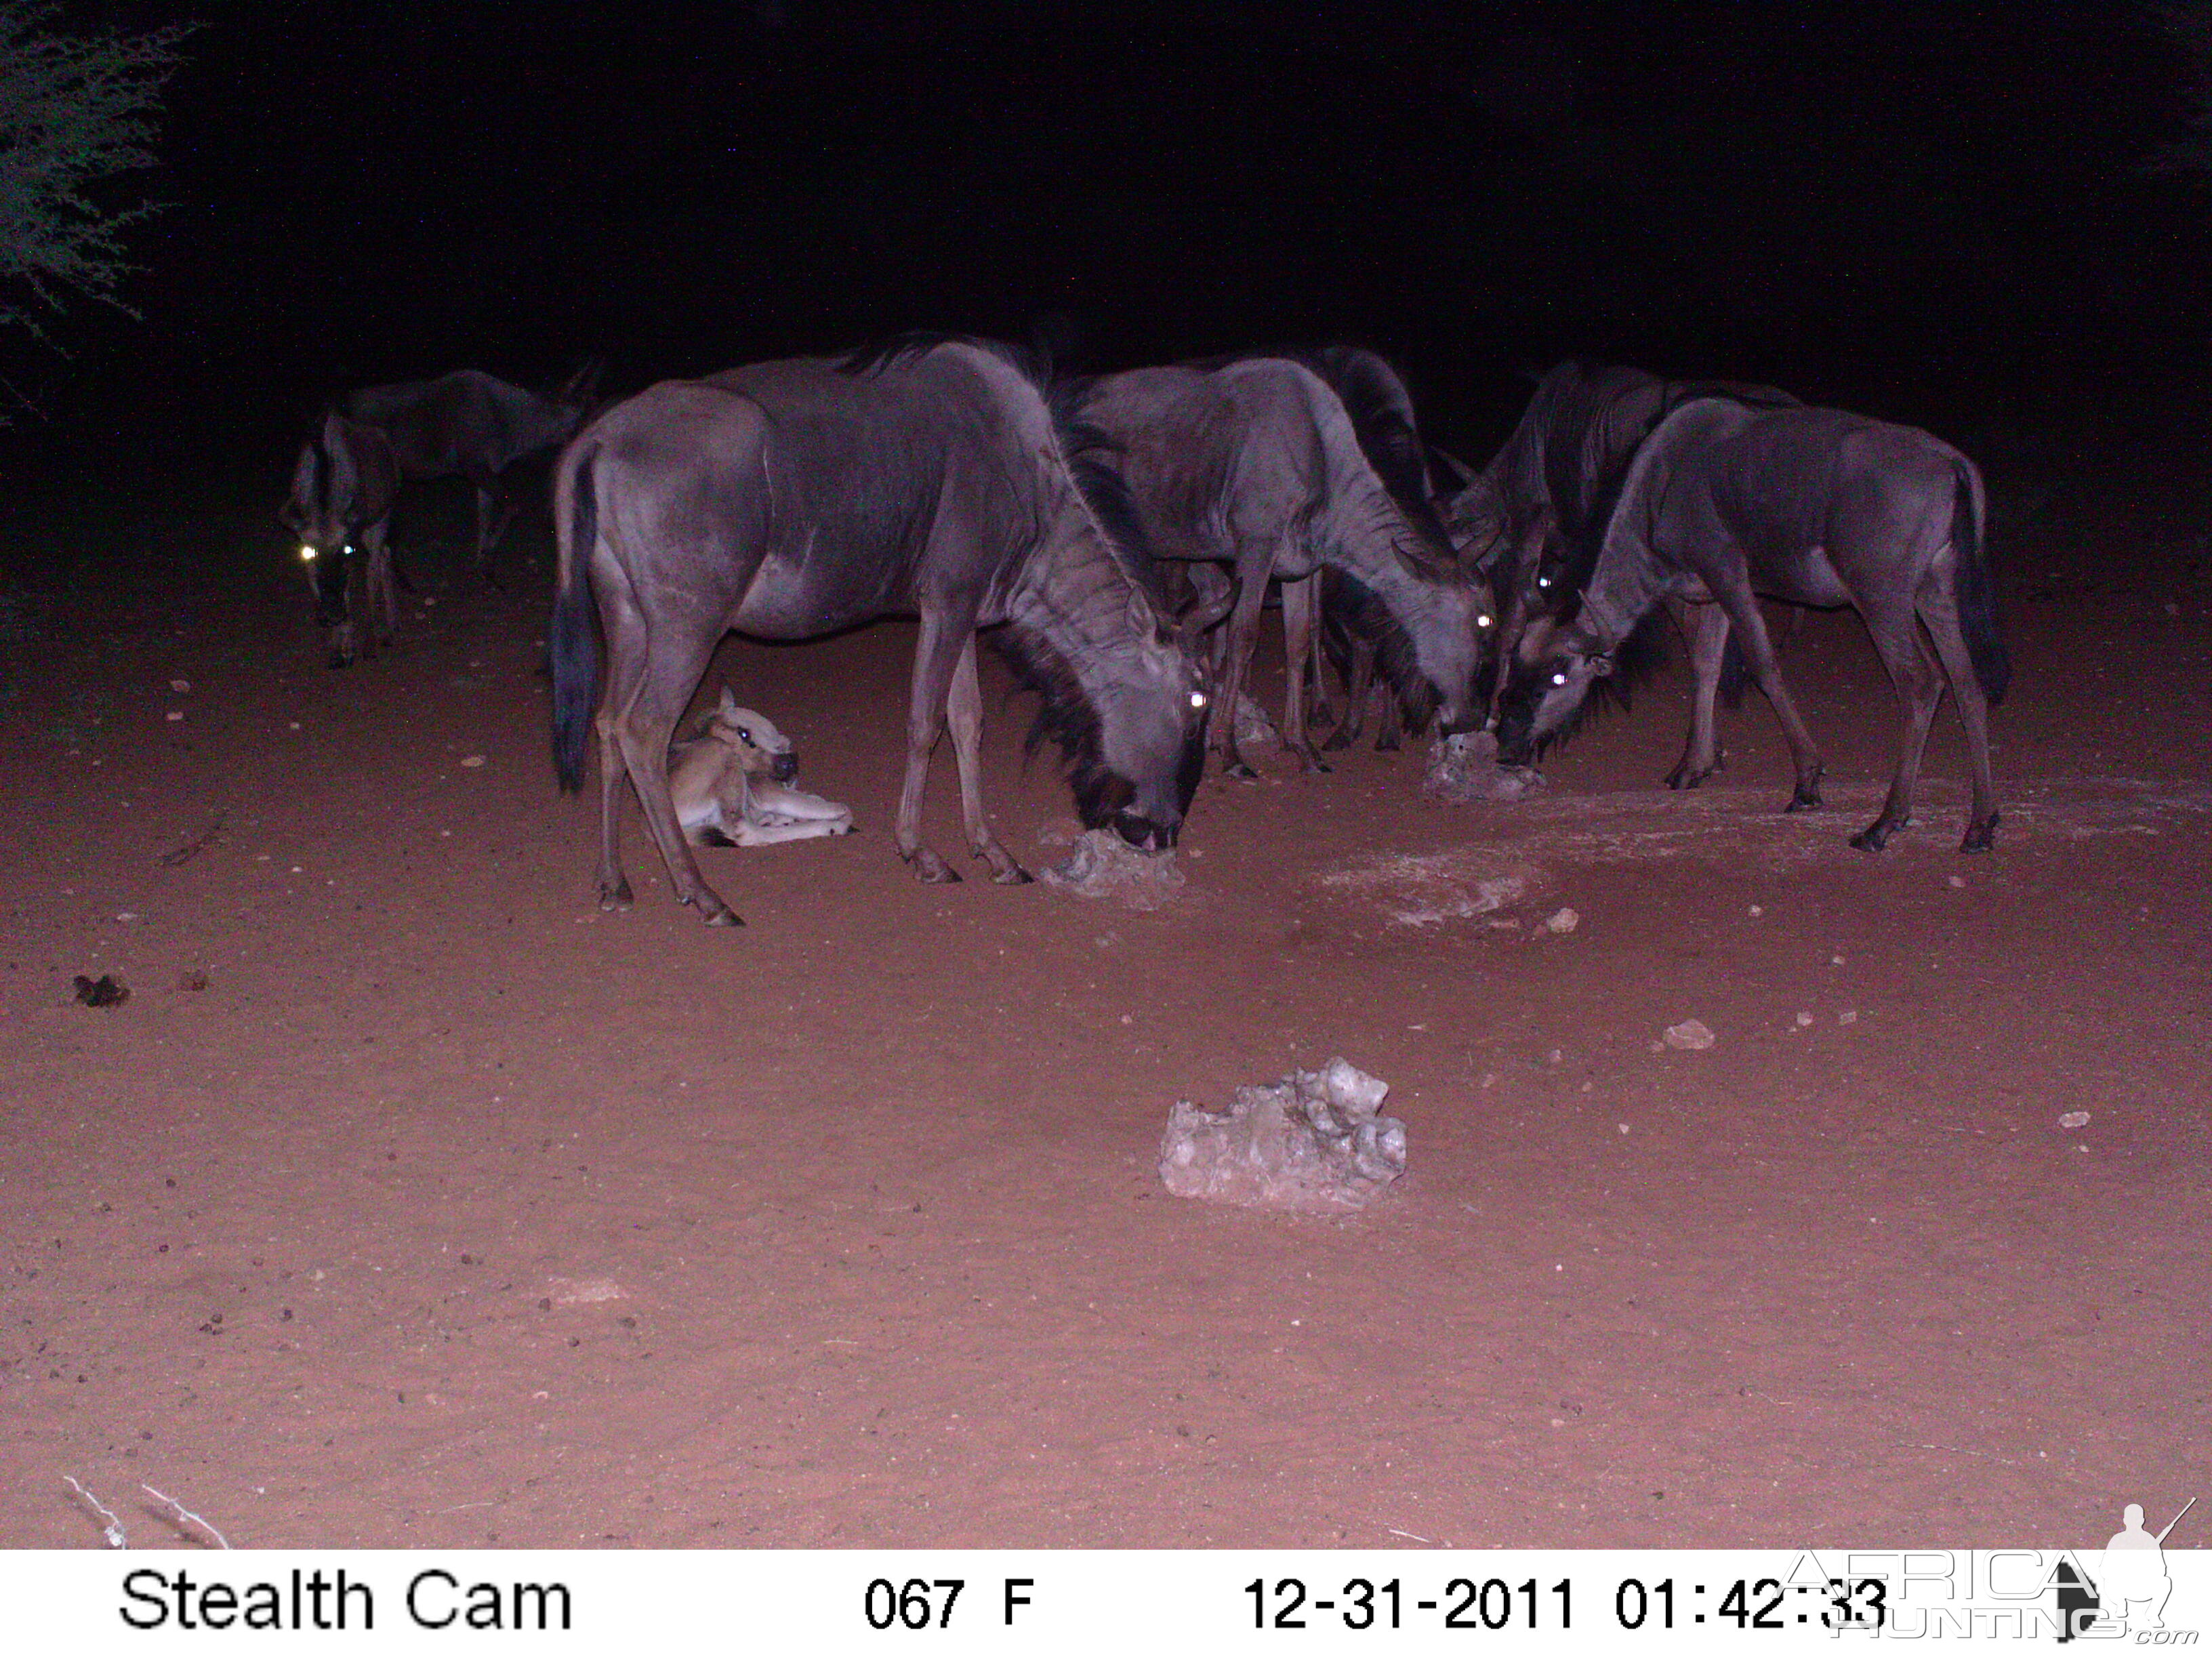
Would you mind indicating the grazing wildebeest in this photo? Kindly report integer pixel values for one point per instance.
(732, 784)
(341, 504)
(794, 499)
(1255, 464)
(1533, 516)
(472, 425)
(1725, 503)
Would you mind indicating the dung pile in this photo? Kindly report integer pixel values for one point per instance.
(1315, 1142)
(1463, 768)
(1103, 866)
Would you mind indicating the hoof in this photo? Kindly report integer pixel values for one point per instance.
(1804, 801)
(1237, 769)
(722, 916)
(1388, 745)
(1013, 876)
(1340, 739)
(1873, 837)
(1310, 760)
(615, 897)
(928, 867)
(1981, 837)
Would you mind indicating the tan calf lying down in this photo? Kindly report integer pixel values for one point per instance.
(731, 785)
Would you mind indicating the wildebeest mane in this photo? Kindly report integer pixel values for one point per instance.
(1369, 617)
(1092, 454)
(1063, 714)
(873, 358)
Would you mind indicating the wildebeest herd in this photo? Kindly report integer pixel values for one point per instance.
(1101, 528)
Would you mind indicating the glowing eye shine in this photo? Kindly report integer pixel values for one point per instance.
(1198, 699)
(1558, 679)
(1543, 581)
(307, 554)
(1483, 621)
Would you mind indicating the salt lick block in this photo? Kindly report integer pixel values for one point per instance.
(1314, 1142)
(1104, 866)
(1463, 768)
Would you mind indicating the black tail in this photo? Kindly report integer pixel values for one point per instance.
(1973, 590)
(573, 641)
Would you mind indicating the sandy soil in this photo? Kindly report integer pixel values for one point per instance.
(410, 1200)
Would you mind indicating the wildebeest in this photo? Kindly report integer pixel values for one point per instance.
(341, 504)
(732, 784)
(1725, 503)
(793, 498)
(472, 425)
(1533, 516)
(1255, 464)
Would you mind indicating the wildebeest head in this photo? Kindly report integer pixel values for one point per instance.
(1134, 738)
(322, 511)
(1548, 681)
(760, 750)
(1151, 738)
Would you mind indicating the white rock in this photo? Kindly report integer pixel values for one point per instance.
(1316, 1141)
(2075, 1121)
(1564, 920)
(1690, 1034)
(1104, 866)
(1463, 768)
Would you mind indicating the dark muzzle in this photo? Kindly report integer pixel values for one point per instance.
(785, 768)
(1141, 833)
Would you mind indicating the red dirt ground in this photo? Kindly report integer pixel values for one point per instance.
(452, 1212)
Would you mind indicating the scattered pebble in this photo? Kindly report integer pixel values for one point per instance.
(176, 714)
(1557, 1055)
(105, 992)
(1758, 910)
(295, 725)
(1623, 1128)
(1804, 1018)
(1954, 881)
(2075, 1121)
(1690, 1034)
(192, 979)
(472, 760)
(127, 915)
(1564, 920)
(1835, 961)
(1848, 1016)
(180, 686)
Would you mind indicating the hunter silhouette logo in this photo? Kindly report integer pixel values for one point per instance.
(2131, 1585)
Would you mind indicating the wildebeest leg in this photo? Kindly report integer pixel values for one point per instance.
(1389, 719)
(1358, 679)
(963, 712)
(1243, 634)
(626, 655)
(1759, 655)
(1706, 630)
(1917, 674)
(383, 605)
(1301, 620)
(679, 651)
(1512, 624)
(1319, 709)
(936, 655)
(1941, 614)
(676, 655)
(493, 516)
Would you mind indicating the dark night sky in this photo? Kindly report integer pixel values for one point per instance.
(1933, 211)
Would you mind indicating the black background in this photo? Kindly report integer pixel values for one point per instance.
(1934, 212)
